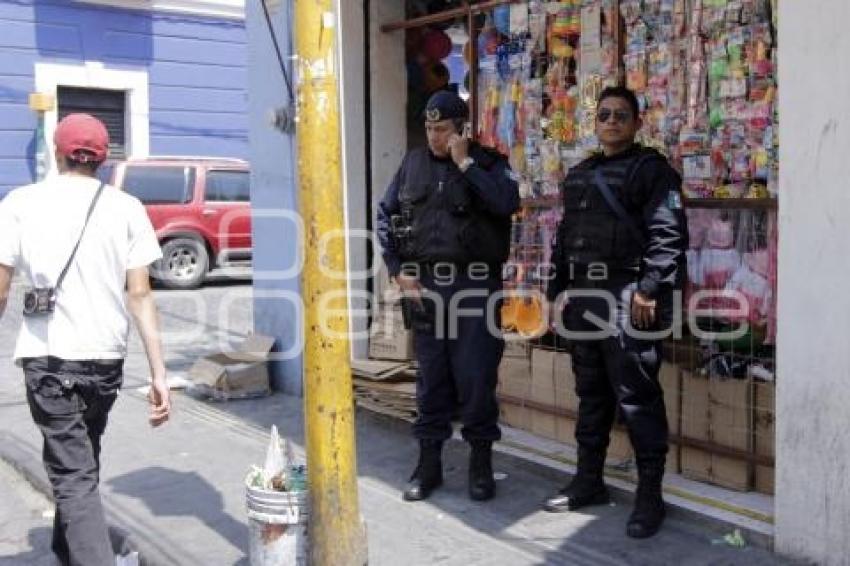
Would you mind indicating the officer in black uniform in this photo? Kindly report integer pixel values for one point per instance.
(622, 239)
(444, 225)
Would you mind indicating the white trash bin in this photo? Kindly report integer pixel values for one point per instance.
(278, 527)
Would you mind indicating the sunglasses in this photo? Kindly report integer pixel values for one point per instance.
(620, 116)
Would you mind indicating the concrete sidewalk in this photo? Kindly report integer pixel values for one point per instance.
(179, 490)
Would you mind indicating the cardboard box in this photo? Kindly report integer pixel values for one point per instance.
(543, 376)
(515, 415)
(565, 383)
(515, 379)
(719, 412)
(388, 339)
(552, 379)
(516, 347)
(669, 379)
(237, 374)
(381, 282)
(695, 463)
(765, 480)
(565, 431)
(731, 426)
(764, 420)
(553, 427)
(544, 424)
(620, 447)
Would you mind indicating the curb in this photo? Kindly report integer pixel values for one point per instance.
(29, 466)
(686, 511)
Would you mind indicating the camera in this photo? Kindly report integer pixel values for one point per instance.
(39, 301)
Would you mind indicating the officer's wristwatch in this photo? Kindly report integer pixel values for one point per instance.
(466, 164)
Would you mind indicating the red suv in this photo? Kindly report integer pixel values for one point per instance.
(199, 207)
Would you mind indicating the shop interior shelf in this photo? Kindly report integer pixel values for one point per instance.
(732, 203)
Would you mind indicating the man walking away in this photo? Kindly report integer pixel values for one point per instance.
(79, 244)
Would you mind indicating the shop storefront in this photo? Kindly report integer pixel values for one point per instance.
(705, 73)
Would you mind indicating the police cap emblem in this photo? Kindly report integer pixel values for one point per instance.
(432, 114)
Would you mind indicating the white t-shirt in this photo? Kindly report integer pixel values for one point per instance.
(39, 225)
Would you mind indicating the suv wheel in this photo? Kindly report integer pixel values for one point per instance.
(184, 263)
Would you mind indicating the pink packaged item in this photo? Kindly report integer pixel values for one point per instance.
(750, 284)
(720, 260)
(699, 221)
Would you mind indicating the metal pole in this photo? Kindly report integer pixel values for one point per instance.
(337, 537)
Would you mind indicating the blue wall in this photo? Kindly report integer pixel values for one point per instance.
(196, 72)
(277, 298)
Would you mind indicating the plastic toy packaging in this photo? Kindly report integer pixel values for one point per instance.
(752, 286)
(720, 259)
(489, 116)
(631, 11)
(552, 171)
(506, 128)
(636, 72)
(537, 25)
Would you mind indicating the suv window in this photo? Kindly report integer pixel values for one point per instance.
(105, 171)
(160, 185)
(228, 186)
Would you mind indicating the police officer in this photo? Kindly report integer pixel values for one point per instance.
(619, 255)
(444, 225)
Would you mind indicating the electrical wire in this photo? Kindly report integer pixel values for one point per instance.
(277, 51)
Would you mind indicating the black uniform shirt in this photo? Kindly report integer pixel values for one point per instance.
(495, 187)
(654, 189)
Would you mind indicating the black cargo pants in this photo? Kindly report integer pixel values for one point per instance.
(69, 402)
(458, 357)
(619, 371)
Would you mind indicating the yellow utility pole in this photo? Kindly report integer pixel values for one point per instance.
(337, 536)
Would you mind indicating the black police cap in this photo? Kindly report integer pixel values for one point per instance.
(445, 105)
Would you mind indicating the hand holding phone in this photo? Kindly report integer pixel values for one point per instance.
(459, 145)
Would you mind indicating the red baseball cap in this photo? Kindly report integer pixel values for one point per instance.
(82, 137)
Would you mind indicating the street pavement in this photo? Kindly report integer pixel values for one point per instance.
(26, 518)
(179, 490)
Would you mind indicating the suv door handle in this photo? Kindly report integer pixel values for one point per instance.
(208, 212)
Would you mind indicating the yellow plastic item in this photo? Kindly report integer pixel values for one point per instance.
(530, 320)
(509, 314)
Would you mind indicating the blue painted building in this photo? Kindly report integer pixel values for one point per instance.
(170, 76)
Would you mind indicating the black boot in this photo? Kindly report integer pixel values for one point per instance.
(482, 486)
(648, 514)
(586, 488)
(428, 474)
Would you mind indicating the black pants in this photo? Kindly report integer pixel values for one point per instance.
(69, 402)
(619, 371)
(458, 361)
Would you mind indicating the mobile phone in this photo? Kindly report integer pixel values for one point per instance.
(467, 130)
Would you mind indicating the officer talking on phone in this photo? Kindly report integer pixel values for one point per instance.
(444, 225)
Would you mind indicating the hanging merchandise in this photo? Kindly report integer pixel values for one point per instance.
(706, 80)
(704, 72)
(541, 66)
(598, 67)
(436, 45)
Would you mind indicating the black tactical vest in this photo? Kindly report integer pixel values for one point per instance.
(447, 221)
(591, 233)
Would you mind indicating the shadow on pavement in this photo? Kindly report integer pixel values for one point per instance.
(387, 454)
(171, 493)
(39, 540)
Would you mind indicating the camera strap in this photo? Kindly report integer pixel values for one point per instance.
(83, 231)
